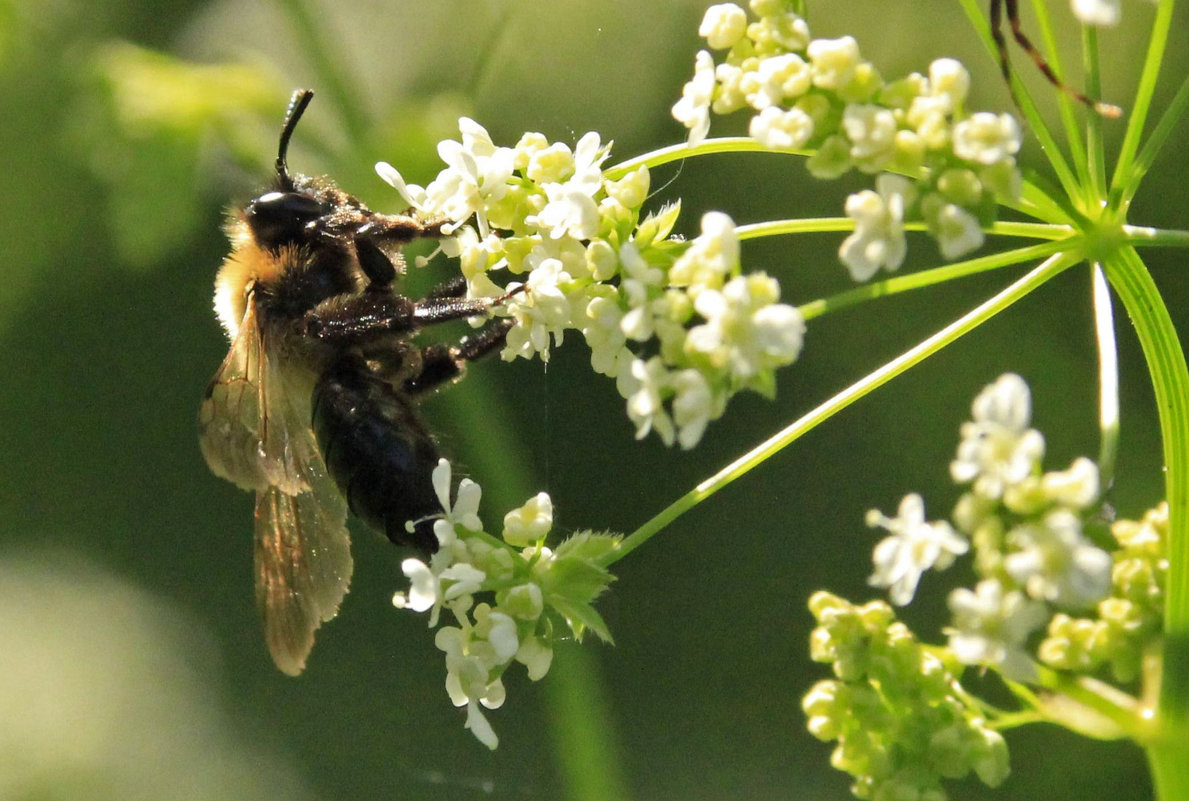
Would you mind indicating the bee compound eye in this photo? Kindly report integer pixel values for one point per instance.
(282, 218)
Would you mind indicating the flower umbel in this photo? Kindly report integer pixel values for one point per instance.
(676, 323)
(529, 590)
(821, 95)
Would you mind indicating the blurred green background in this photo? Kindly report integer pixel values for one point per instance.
(131, 660)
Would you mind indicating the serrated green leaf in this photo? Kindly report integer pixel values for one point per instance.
(657, 225)
(580, 617)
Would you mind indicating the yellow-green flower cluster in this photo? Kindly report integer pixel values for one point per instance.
(901, 719)
(1129, 621)
(819, 96)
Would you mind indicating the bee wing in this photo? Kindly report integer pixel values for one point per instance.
(230, 417)
(245, 427)
(255, 432)
(302, 547)
(303, 567)
(303, 550)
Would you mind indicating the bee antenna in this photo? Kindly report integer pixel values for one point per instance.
(297, 105)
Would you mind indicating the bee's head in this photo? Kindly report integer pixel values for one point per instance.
(282, 217)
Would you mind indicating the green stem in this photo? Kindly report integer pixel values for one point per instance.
(925, 278)
(1170, 379)
(1168, 755)
(583, 739)
(1069, 121)
(1095, 153)
(1140, 236)
(1143, 100)
(817, 225)
(756, 456)
(1164, 128)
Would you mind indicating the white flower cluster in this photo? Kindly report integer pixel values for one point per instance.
(530, 586)
(1026, 526)
(677, 324)
(819, 95)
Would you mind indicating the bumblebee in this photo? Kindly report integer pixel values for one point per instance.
(315, 407)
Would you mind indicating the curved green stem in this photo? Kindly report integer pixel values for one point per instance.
(1167, 754)
(762, 452)
(665, 155)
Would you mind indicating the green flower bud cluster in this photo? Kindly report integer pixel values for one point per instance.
(901, 720)
(1129, 621)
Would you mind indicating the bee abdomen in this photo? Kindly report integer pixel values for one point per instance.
(377, 451)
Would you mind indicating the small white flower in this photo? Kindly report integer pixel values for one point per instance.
(777, 79)
(413, 195)
(541, 313)
(878, 240)
(723, 25)
(609, 354)
(777, 128)
(640, 285)
(536, 655)
(1056, 563)
(956, 230)
(1097, 12)
(872, 132)
(710, 258)
(991, 627)
(746, 331)
(949, 82)
(464, 511)
(834, 61)
(693, 109)
(571, 211)
(643, 386)
(693, 406)
(425, 592)
(1076, 487)
(528, 524)
(476, 174)
(998, 448)
(915, 545)
(986, 138)
(458, 580)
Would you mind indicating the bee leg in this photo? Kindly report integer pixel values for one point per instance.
(455, 287)
(378, 268)
(393, 230)
(1013, 18)
(441, 364)
(400, 229)
(355, 319)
